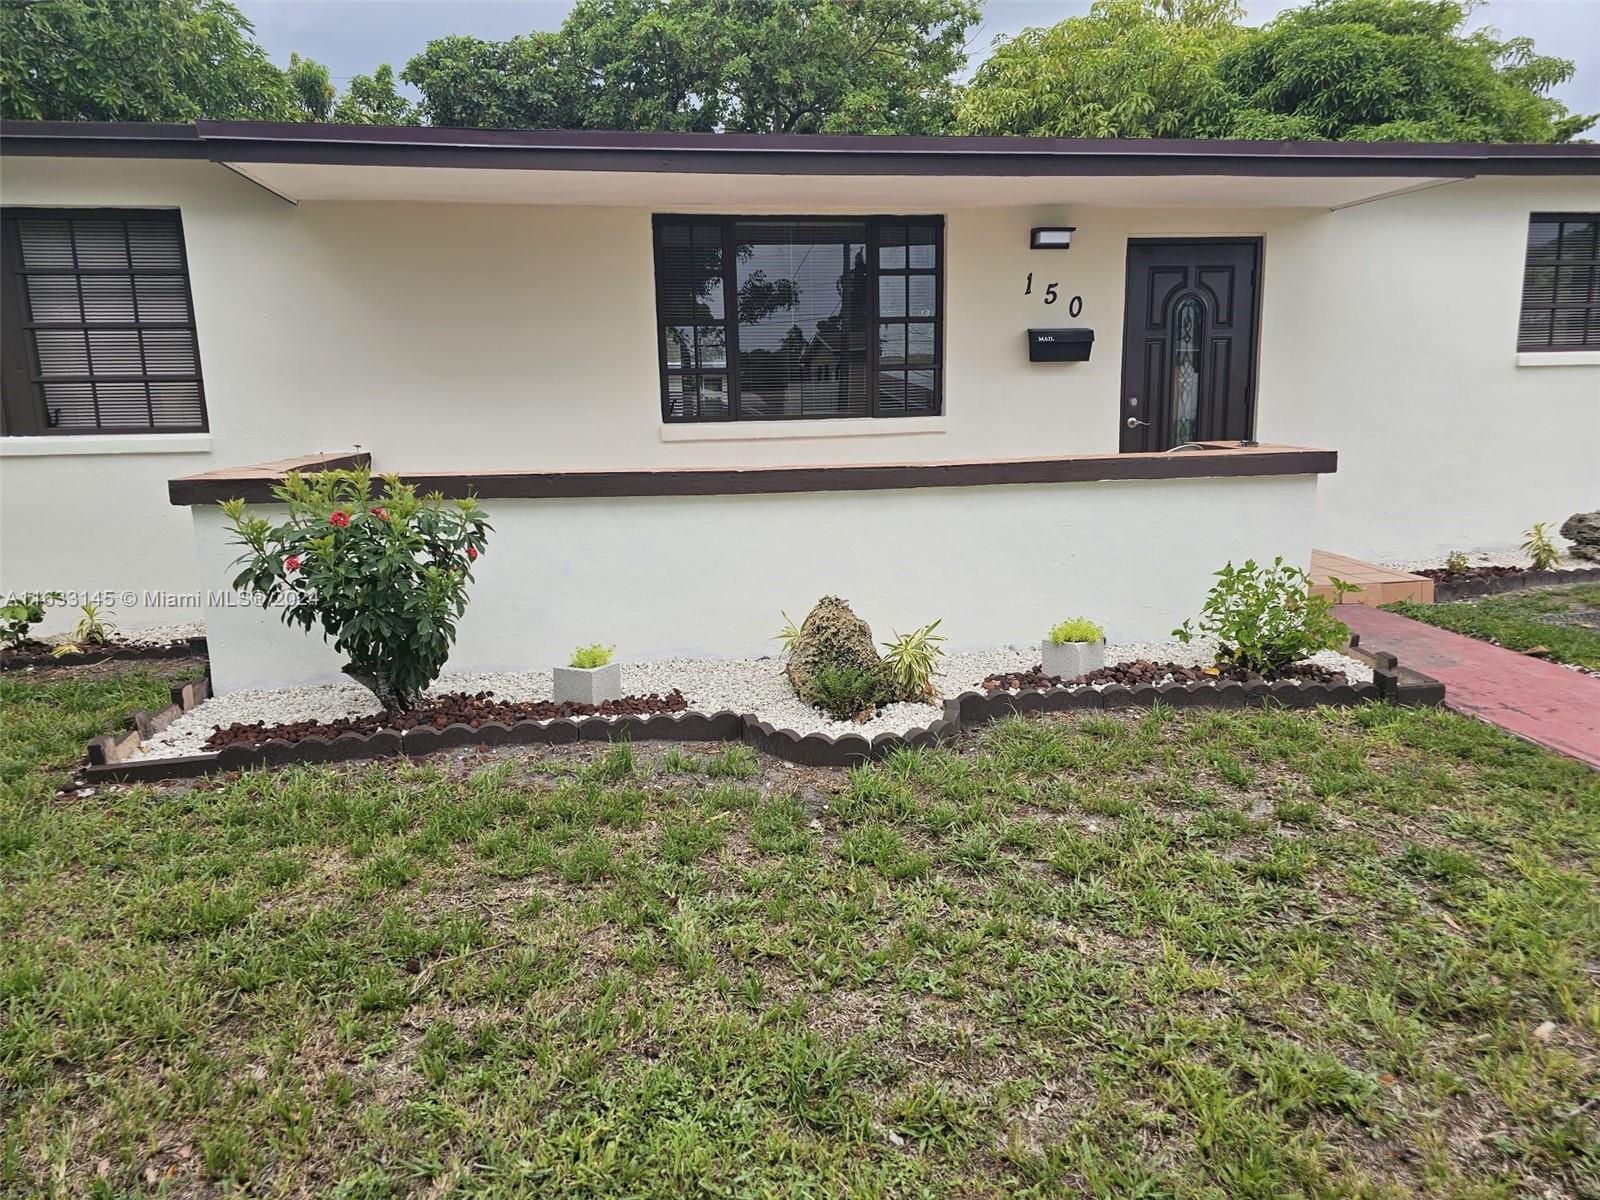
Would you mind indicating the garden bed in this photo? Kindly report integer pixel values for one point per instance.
(687, 700)
(1488, 575)
(34, 654)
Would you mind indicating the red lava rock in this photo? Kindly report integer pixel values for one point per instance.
(1142, 670)
(481, 708)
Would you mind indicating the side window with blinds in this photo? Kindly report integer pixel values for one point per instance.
(98, 324)
(1561, 283)
(799, 318)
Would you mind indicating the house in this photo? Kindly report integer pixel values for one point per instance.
(700, 378)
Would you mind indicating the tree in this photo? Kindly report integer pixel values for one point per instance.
(1390, 70)
(785, 66)
(374, 100)
(135, 60)
(312, 86)
(1131, 68)
(527, 82)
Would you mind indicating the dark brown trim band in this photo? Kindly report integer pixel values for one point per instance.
(256, 483)
(782, 154)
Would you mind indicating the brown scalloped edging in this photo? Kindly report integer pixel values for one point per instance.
(1470, 589)
(188, 648)
(111, 755)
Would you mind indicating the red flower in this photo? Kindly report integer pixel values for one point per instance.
(339, 519)
(472, 552)
(380, 513)
(292, 563)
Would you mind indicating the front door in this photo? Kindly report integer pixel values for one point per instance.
(1189, 342)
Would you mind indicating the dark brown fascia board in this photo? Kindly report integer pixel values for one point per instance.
(783, 154)
(101, 139)
(248, 484)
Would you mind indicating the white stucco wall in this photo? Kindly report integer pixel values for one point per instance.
(1402, 318)
(454, 336)
(707, 576)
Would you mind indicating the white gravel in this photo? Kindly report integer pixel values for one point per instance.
(742, 685)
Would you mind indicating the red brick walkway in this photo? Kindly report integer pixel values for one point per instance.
(1545, 703)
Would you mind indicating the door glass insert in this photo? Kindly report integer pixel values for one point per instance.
(1186, 322)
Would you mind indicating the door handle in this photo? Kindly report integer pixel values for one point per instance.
(1134, 422)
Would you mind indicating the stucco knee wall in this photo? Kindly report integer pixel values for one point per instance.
(709, 576)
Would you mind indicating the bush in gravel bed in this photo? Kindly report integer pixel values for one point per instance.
(20, 614)
(384, 576)
(1265, 618)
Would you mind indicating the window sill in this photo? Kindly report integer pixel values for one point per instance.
(1559, 358)
(755, 431)
(115, 443)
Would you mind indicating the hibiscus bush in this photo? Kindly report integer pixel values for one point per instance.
(385, 576)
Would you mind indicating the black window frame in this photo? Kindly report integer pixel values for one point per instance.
(730, 321)
(22, 405)
(1591, 306)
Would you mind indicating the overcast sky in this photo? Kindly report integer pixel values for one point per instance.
(353, 36)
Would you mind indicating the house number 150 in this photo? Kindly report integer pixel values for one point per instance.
(1074, 306)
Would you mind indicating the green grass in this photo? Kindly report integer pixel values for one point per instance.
(1221, 956)
(1513, 621)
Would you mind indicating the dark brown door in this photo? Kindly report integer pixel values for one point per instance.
(1189, 342)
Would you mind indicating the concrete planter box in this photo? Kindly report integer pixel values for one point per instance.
(1068, 660)
(588, 685)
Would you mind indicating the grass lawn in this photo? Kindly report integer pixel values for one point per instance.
(1233, 955)
(1513, 621)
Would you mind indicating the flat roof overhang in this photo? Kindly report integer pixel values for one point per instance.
(319, 162)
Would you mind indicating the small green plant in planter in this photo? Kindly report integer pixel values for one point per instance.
(1541, 548)
(21, 613)
(587, 658)
(1075, 647)
(1456, 563)
(590, 677)
(89, 632)
(1265, 618)
(384, 576)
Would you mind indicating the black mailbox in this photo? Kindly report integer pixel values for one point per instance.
(1059, 345)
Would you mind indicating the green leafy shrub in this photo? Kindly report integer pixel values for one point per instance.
(911, 660)
(845, 692)
(384, 576)
(1541, 547)
(1076, 629)
(1265, 618)
(1456, 562)
(21, 613)
(590, 657)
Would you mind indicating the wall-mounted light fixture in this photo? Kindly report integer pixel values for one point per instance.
(1058, 237)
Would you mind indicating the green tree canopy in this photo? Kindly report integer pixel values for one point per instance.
(374, 100)
(135, 60)
(786, 66)
(1390, 70)
(1131, 68)
(312, 86)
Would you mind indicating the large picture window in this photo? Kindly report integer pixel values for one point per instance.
(799, 318)
(98, 324)
(1561, 283)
